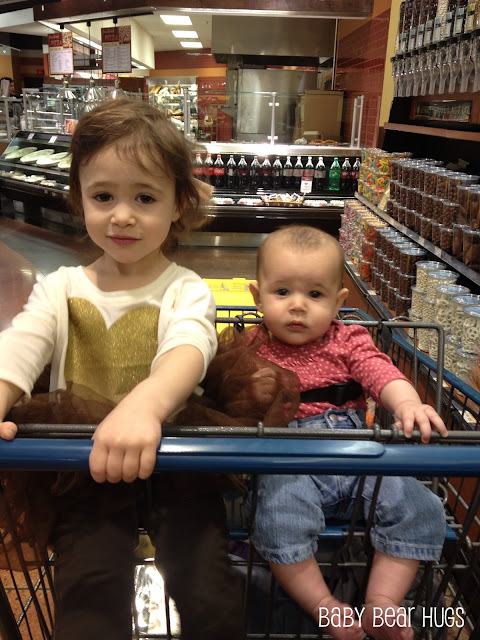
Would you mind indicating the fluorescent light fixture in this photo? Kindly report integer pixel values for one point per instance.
(191, 44)
(170, 19)
(185, 34)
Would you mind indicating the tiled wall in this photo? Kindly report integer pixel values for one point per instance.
(360, 69)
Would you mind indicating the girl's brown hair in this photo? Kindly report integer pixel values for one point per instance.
(138, 132)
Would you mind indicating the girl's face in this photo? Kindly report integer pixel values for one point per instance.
(298, 292)
(128, 208)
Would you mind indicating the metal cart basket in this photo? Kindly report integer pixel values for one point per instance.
(449, 591)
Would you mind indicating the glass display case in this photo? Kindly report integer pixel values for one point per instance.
(10, 118)
(177, 98)
(34, 169)
(53, 111)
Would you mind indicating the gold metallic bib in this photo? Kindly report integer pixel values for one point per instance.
(110, 361)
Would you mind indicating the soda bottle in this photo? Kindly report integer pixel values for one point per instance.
(219, 172)
(266, 174)
(231, 173)
(334, 176)
(346, 175)
(319, 175)
(298, 173)
(306, 185)
(277, 173)
(198, 167)
(242, 171)
(355, 174)
(254, 173)
(208, 169)
(288, 174)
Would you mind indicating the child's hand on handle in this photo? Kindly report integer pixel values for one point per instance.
(9, 394)
(400, 398)
(408, 414)
(126, 441)
(125, 445)
(8, 430)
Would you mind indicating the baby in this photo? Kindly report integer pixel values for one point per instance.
(299, 291)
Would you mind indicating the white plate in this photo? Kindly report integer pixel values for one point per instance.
(31, 158)
(66, 162)
(18, 153)
(51, 161)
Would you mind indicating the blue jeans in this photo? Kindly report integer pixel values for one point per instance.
(409, 520)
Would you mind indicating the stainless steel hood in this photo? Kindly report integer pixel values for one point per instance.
(263, 41)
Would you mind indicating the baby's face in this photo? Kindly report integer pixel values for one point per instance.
(299, 292)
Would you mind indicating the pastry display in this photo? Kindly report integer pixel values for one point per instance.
(35, 178)
(50, 183)
(283, 200)
(315, 203)
(325, 143)
(31, 158)
(222, 201)
(251, 202)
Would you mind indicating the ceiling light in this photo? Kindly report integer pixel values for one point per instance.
(185, 34)
(192, 44)
(176, 19)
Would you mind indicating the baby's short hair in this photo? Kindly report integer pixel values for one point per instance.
(301, 237)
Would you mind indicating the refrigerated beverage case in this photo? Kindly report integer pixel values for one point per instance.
(242, 173)
(266, 174)
(254, 173)
(345, 176)
(208, 169)
(277, 170)
(231, 173)
(334, 176)
(219, 172)
(355, 173)
(319, 175)
(288, 174)
(298, 173)
(306, 185)
(198, 167)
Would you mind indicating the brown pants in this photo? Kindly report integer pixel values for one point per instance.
(94, 539)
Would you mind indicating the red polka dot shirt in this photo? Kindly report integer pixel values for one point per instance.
(346, 353)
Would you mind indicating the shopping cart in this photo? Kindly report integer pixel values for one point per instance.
(446, 595)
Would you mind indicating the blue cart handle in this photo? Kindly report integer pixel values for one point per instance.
(255, 455)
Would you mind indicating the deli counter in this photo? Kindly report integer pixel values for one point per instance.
(34, 171)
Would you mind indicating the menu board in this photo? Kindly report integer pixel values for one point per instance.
(117, 49)
(60, 53)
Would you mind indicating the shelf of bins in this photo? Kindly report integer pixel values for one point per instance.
(459, 267)
(367, 291)
(472, 136)
(466, 419)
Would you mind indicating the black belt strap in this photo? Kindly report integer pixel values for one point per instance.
(337, 394)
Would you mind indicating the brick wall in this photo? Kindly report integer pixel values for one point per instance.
(360, 69)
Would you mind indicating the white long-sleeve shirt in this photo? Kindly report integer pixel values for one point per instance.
(84, 332)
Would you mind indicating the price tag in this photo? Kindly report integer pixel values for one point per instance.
(52, 139)
(306, 185)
